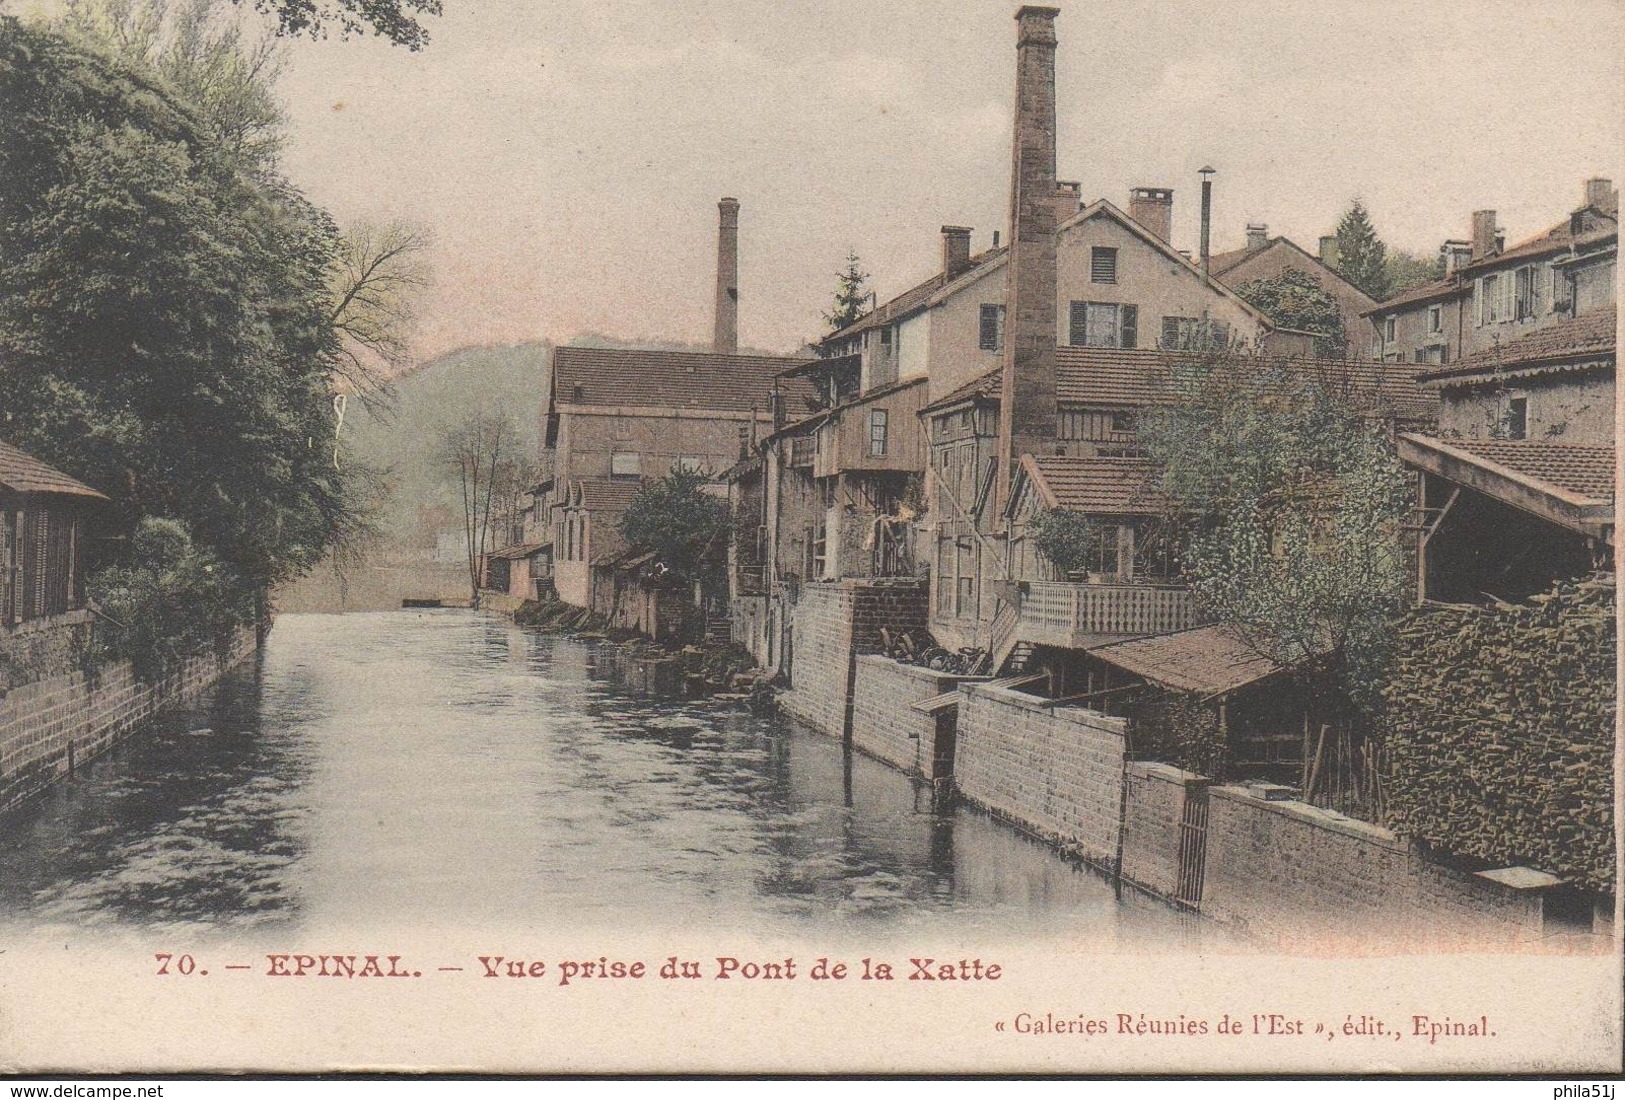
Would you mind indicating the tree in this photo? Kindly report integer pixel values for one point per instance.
(677, 519)
(1406, 271)
(1065, 537)
(851, 296)
(394, 20)
(482, 449)
(165, 327)
(1361, 255)
(1294, 504)
(1296, 299)
(376, 277)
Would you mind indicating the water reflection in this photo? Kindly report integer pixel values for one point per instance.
(441, 769)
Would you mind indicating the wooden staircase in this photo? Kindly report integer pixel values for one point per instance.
(718, 630)
(1016, 663)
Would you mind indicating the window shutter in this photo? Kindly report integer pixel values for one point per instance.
(1079, 326)
(1103, 265)
(1129, 326)
(1170, 332)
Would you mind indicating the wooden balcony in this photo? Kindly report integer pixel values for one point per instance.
(1062, 613)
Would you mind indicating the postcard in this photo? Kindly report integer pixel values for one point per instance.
(933, 538)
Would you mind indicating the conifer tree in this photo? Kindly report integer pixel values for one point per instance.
(851, 295)
(1361, 255)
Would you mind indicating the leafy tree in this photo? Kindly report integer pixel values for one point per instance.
(1294, 503)
(1406, 270)
(165, 314)
(851, 295)
(375, 279)
(1361, 255)
(1064, 537)
(677, 519)
(1295, 299)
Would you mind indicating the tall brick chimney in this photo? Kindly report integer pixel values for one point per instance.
(1483, 233)
(1153, 209)
(1207, 217)
(1028, 409)
(955, 251)
(726, 337)
(1600, 195)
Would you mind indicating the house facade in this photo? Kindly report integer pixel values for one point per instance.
(1493, 294)
(1265, 257)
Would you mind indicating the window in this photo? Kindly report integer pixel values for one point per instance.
(1104, 325)
(992, 328)
(1122, 422)
(1524, 296)
(877, 432)
(1515, 421)
(1178, 333)
(625, 464)
(1390, 329)
(965, 594)
(1103, 265)
(945, 580)
(1102, 558)
(1495, 298)
(1435, 318)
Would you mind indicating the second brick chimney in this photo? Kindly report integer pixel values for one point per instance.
(955, 251)
(726, 336)
(1483, 233)
(1153, 209)
(1258, 235)
(1028, 408)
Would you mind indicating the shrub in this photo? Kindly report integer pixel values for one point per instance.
(1065, 538)
(175, 601)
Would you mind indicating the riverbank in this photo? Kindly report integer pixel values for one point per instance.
(685, 671)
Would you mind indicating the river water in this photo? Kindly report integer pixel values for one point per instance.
(444, 770)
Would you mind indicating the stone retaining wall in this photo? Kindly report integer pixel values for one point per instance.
(1055, 770)
(884, 723)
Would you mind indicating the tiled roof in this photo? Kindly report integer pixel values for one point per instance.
(983, 386)
(1427, 292)
(604, 494)
(914, 298)
(21, 472)
(1584, 471)
(1221, 263)
(1209, 660)
(1126, 378)
(1114, 486)
(1590, 334)
(672, 379)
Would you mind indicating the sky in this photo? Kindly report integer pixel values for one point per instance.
(567, 157)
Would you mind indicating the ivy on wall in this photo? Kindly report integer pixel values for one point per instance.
(1501, 732)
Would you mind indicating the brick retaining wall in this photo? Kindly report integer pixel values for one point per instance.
(1055, 770)
(49, 727)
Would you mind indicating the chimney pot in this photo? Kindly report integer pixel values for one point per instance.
(1153, 209)
(1328, 251)
(1484, 234)
(955, 251)
(725, 337)
(1258, 235)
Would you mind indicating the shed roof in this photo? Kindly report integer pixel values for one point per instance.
(21, 472)
(1208, 660)
(1581, 470)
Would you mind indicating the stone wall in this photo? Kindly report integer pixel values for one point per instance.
(52, 726)
(40, 649)
(1055, 770)
(884, 724)
(831, 625)
(1289, 871)
(1154, 798)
